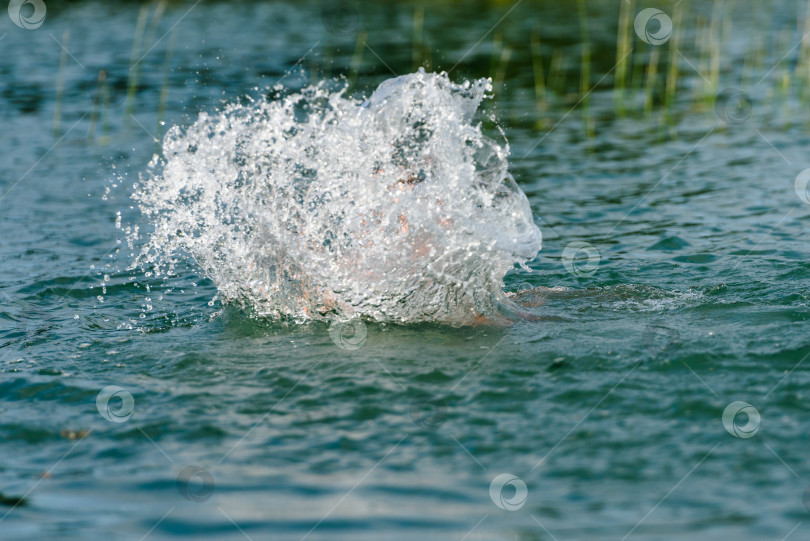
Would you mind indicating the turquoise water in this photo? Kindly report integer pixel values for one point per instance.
(607, 404)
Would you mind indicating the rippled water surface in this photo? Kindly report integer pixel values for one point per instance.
(672, 286)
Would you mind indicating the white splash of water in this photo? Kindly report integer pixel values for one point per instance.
(318, 206)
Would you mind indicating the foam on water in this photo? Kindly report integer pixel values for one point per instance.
(317, 205)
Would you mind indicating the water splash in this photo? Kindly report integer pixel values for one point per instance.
(317, 205)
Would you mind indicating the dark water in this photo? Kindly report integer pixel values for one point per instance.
(609, 408)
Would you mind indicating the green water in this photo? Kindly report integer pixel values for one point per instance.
(608, 406)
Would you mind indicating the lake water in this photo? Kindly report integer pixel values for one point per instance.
(657, 392)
